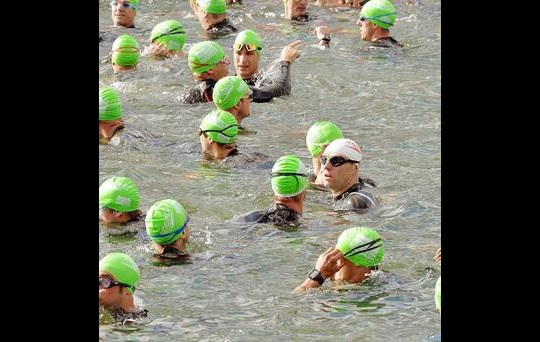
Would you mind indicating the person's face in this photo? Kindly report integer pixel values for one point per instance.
(337, 177)
(122, 15)
(366, 29)
(221, 69)
(110, 298)
(246, 63)
(296, 8)
(245, 105)
(112, 216)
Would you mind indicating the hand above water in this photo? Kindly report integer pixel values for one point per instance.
(291, 52)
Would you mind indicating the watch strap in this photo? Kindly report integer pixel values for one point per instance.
(315, 274)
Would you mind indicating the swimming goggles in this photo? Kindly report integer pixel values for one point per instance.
(336, 161)
(249, 47)
(126, 5)
(107, 283)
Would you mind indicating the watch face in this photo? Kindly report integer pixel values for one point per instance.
(313, 274)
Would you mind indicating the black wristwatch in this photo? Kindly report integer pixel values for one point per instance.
(315, 274)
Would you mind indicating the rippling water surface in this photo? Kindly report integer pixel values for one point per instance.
(239, 287)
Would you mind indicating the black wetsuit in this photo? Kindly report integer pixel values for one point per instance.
(278, 214)
(267, 88)
(386, 42)
(171, 256)
(122, 317)
(199, 93)
(223, 28)
(355, 198)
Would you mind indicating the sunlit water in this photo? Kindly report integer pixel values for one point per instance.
(239, 287)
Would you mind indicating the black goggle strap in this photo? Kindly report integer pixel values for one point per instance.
(358, 249)
(278, 174)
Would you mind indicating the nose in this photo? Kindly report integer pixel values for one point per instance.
(242, 59)
(327, 166)
(358, 23)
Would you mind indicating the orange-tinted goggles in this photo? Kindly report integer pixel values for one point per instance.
(249, 47)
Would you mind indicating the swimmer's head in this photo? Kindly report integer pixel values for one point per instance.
(110, 107)
(213, 6)
(122, 268)
(228, 91)
(380, 12)
(250, 40)
(120, 194)
(289, 176)
(166, 221)
(170, 34)
(321, 133)
(362, 246)
(204, 55)
(220, 126)
(125, 51)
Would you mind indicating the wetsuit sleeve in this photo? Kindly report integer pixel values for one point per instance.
(254, 215)
(360, 200)
(279, 86)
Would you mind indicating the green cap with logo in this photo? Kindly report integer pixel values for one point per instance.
(362, 246)
(321, 133)
(213, 6)
(438, 294)
(205, 55)
(228, 91)
(249, 37)
(125, 51)
(220, 126)
(122, 268)
(166, 221)
(289, 176)
(169, 33)
(110, 107)
(120, 194)
(380, 12)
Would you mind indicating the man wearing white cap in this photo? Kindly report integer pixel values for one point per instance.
(341, 169)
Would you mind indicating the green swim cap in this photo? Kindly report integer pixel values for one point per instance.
(125, 51)
(213, 6)
(205, 55)
(122, 268)
(321, 133)
(134, 3)
(110, 107)
(169, 33)
(228, 91)
(289, 176)
(249, 37)
(362, 246)
(120, 194)
(220, 126)
(438, 294)
(380, 12)
(166, 221)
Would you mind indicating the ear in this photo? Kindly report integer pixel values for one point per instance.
(237, 105)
